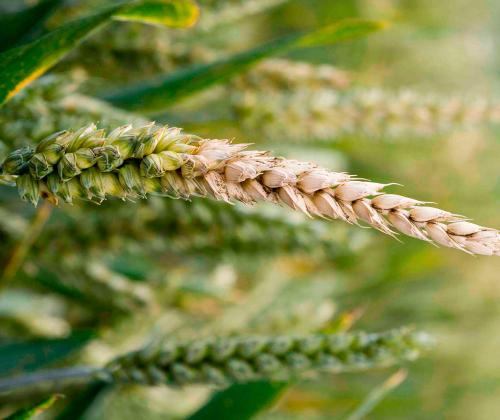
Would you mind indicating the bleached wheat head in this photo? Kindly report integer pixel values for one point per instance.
(129, 163)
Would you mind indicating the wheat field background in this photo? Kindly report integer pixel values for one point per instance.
(350, 277)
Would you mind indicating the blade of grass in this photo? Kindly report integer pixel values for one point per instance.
(377, 395)
(34, 410)
(82, 402)
(31, 355)
(18, 25)
(241, 401)
(157, 94)
(22, 65)
(28, 239)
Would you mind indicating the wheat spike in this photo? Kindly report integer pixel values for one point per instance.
(129, 163)
(52, 103)
(324, 113)
(193, 227)
(94, 282)
(225, 360)
(277, 74)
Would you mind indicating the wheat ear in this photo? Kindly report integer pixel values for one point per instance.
(238, 359)
(225, 360)
(306, 112)
(129, 163)
(277, 74)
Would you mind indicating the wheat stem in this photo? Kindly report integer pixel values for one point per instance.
(131, 163)
(55, 378)
(377, 395)
(29, 237)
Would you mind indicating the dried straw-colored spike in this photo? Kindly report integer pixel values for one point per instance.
(129, 163)
(226, 360)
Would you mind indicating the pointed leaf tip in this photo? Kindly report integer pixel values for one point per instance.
(171, 13)
(36, 409)
(343, 30)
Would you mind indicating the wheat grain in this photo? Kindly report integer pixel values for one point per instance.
(225, 360)
(130, 163)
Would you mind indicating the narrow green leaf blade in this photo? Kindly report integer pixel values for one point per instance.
(377, 395)
(30, 355)
(82, 402)
(343, 30)
(34, 410)
(21, 65)
(15, 26)
(240, 401)
(175, 14)
(157, 94)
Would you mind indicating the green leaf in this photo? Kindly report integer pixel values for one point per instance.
(343, 30)
(34, 410)
(240, 401)
(20, 66)
(377, 395)
(172, 13)
(157, 94)
(82, 402)
(30, 355)
(15, 26)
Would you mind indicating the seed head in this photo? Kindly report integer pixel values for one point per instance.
(227, 172)
(235, 359)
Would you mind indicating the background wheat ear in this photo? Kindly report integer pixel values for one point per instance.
(222, 361)
(324, 113)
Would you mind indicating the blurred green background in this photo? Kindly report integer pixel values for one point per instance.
(442, 48)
